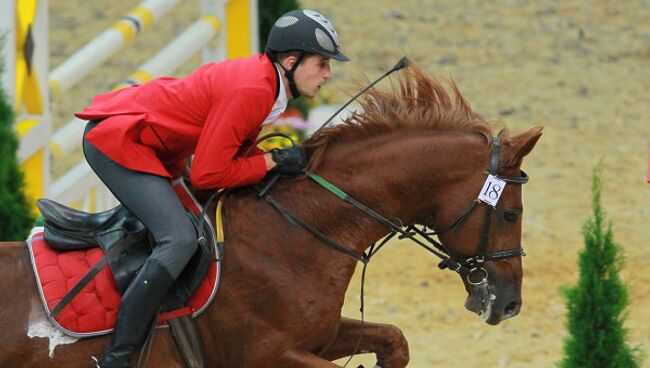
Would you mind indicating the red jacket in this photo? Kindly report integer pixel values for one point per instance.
(213, 113)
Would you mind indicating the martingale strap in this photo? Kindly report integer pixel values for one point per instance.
(292, 218)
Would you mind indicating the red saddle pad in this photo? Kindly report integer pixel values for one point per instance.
(93, 311)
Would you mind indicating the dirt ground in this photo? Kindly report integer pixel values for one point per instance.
(580, 68)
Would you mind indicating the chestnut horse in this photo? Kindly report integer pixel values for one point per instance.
(416, 155)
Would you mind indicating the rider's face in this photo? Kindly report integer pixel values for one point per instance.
(312, 73)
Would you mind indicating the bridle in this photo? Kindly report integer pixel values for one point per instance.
(473, 265)
(468, 267)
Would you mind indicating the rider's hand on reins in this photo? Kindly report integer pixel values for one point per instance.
(290, 161)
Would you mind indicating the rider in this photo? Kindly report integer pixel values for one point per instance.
(140, 137)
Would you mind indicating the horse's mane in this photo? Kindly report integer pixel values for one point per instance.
(417, 101)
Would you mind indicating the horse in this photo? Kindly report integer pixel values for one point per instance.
(416, 154)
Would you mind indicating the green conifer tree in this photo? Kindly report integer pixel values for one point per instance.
(597, 304)
(16, 218)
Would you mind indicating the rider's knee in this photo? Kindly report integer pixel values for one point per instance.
(187, 240)
(175, 248)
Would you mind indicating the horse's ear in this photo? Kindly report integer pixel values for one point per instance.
(515, 148)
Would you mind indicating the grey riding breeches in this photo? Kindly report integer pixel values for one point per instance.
(151, 199)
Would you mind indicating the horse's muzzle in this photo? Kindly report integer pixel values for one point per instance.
(483, 301)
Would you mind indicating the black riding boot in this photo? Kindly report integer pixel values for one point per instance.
(137, 310)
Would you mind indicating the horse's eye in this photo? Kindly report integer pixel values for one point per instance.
(511, 216)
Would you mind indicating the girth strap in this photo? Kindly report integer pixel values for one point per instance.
(188, 341)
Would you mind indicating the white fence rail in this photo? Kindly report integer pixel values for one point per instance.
(94, 53)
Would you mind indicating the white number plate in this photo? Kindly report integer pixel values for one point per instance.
(492, 190)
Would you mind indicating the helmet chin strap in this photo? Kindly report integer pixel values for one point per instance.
(289, 74)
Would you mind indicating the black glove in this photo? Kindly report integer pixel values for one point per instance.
(289, 161)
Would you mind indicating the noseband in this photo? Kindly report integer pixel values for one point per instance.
(468, 267)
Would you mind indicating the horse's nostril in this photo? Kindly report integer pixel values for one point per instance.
(512, 309)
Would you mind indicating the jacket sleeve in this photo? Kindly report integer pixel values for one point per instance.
(229, 124)
(252, 149)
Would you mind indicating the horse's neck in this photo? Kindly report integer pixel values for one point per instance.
(399, 177)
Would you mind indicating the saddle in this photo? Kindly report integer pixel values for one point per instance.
(127, 244)
(69, 229)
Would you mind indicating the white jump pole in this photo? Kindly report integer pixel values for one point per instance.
(107, 43)
(216, 50)
(29, 61)
(84, 180)
(175, 54)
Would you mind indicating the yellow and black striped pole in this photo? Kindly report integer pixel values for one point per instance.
(33, 123)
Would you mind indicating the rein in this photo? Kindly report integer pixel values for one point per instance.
(466, 266)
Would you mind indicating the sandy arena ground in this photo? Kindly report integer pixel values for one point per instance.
(580, 68)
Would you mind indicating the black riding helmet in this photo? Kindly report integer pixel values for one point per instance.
(307, 31)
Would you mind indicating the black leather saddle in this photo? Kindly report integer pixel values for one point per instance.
(69, 229)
